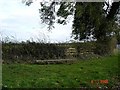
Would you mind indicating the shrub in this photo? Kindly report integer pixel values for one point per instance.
(106, 47)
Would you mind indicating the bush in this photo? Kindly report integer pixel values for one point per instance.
(32, 51)
(106, 47)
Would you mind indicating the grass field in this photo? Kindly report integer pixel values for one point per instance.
(62, 75)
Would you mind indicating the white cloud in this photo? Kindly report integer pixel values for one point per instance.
(24, 22)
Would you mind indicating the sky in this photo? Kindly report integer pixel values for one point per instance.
(23, 23)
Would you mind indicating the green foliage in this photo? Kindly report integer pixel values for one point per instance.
(117, 33)
(86, 20)
(89, 19)
(28, 52)
(106, 47)
(63, 75)
(31, 51)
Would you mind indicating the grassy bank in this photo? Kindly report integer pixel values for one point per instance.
(63, 75)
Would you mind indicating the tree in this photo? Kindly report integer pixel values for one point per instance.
(89, 19)
(117, 33)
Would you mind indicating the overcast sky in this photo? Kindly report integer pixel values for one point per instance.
(23, 22)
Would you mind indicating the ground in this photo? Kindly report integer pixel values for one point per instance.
(84, 73)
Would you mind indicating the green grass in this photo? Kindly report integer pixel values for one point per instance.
(62, 75)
